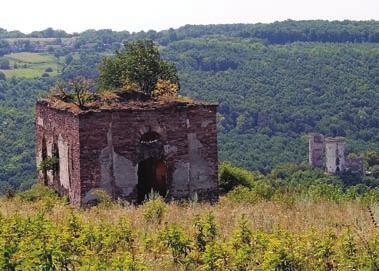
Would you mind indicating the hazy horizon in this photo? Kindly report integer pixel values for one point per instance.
(74, 32)
(74, 16)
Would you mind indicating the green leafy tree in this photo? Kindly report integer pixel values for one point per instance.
(140, 63)
(68, 59)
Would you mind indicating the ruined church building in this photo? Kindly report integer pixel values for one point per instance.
(128, 152)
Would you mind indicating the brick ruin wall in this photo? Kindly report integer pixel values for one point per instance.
(58, 132)
(112, 150)
(103, 150)
(316, 150)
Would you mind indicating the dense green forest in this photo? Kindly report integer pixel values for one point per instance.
(274, 83)
(17, 162)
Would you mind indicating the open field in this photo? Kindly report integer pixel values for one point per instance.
(30, 65)
(31, 57)
(267, 216)
(40, 40)
(187, 236)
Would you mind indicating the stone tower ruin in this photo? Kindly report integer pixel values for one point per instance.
(130, 150)
(330, 154)
(316, 150)
(335, 155)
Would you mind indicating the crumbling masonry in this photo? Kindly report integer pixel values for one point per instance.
(169, 148)
(330, 154)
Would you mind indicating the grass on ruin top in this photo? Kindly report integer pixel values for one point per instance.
(116, 99)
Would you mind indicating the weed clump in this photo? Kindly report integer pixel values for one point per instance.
(153, 210)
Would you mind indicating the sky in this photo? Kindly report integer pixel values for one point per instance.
(137, 15)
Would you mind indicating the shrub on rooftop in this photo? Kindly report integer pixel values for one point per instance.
(139, 67)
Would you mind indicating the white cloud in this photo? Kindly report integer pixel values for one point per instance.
(78, 15)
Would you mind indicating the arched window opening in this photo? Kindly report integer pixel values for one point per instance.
(55, 153)
(150, 137)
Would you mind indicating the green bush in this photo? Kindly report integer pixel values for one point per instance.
(287, 200)
(371, 196)
(231, 176)
(154, 209)
(242, 194)
(264, 189)
(322, 191)
(104, 200)
(173, 237)
(140, 64)
(283, 171)
(242, 245)
(212, 258)
(38, 192)
(279, 257)
(205, 231)
(49, 163)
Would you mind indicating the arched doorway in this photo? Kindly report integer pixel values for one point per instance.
(152, 175)
(338, 165)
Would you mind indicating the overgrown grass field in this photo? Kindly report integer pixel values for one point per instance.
(39, 231)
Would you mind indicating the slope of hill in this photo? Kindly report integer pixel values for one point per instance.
(17, 164)
(30, 65)
(274, 82)
(271, 95)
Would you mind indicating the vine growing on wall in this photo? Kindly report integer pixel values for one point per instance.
(50, 163)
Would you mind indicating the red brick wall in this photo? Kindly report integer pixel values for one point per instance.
(105, 148)
(50, 124)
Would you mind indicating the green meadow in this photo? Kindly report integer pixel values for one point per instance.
(31, 65)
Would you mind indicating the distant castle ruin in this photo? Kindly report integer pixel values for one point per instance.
(330, 154)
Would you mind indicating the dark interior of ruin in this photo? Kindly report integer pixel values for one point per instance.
(152, 176)
(55, 152)
(150, 137)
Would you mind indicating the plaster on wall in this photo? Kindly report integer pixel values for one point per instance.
(180, 182)
(199, 170)
(125, 174)
(64, 175)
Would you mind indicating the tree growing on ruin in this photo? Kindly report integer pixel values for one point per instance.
(138, 66)
(78, 92)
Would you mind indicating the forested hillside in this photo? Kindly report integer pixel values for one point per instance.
(271, 95)
(274, 82)
(17, 161)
